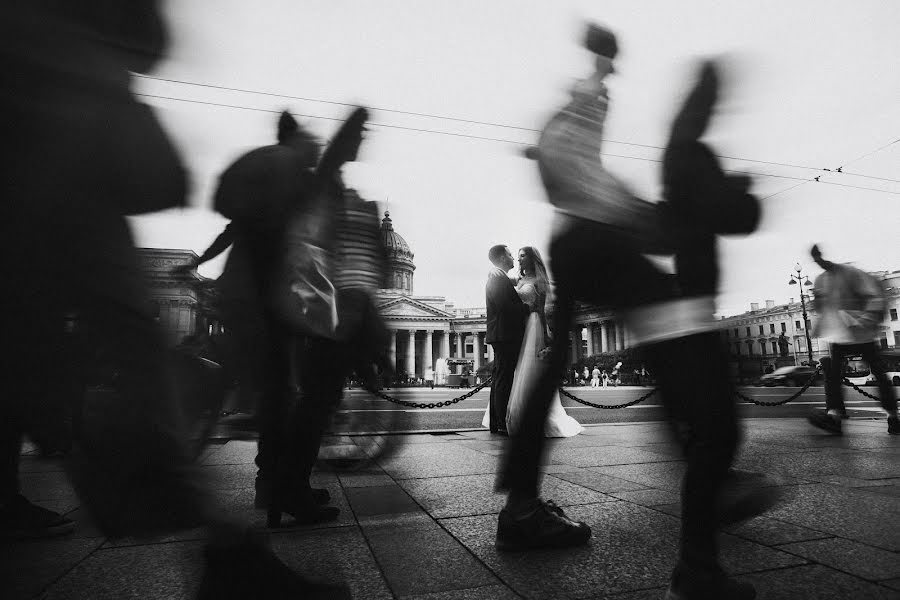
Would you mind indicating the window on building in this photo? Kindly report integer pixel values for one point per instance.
(893, 314)
(783, 327)
(797, 325)
(736, 334)
(775, 348)
(771, 327)
(750, 347)
(883, 341)
(748, 332)
(470, 349)
(897, 339)
(762, 348)
(762, 330)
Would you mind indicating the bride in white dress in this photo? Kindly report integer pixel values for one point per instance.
(532, 287)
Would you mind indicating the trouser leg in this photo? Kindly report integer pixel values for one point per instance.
(885, 387)
(705, 421)
(834, 377)
(506, 355)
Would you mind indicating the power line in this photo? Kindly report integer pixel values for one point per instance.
(502, 140)
(463, 120)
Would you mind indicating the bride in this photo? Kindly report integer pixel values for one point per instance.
(533, 287)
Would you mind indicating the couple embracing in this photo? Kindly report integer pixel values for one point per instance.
(517, 330)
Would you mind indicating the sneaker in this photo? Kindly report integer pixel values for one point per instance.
(825, 421)
(20, 519)
(692, 584)
(546, 526)
(746, 494)
(894, 425)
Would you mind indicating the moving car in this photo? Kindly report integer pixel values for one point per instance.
(790, 376)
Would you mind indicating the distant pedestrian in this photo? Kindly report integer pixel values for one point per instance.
(850, 304)
(595, 377)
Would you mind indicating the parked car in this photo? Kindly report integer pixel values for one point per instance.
(790, 376)
(893, 377)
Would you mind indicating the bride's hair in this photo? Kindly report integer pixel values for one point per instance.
(540, 271)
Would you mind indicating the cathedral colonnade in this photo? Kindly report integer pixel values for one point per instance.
(606, 334)
(414, 350)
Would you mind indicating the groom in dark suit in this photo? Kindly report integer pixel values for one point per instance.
(506, 315)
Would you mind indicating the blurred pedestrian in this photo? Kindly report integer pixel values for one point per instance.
(87, 154)
(850, 304)
(595, 377)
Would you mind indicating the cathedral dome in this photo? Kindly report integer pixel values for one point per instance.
(392, 240)
(400, 258)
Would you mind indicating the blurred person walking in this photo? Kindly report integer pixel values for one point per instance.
(87, 154)
(850, 304)
(506, 314)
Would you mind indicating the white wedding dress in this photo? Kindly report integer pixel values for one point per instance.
(528, 372)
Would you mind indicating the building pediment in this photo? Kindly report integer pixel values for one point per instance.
(409, 307)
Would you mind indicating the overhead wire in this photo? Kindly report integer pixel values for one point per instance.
(515, 142)
(479, 122)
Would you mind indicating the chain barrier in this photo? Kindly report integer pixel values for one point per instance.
(625, 405)
(563, 392)
(806, 386)
(466, 396)
(848, 383)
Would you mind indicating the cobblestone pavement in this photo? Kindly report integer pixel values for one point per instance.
(421, 524)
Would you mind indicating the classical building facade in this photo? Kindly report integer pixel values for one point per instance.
(423, 329)
(756, 332)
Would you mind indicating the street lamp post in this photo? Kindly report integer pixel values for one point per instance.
(803, 280)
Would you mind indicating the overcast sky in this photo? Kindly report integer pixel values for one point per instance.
(811, 84)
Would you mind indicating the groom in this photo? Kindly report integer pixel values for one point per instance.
(506, 315)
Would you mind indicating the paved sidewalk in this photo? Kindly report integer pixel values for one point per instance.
(421, 525)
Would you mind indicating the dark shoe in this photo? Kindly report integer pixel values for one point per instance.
(20, 520)
(251, 570)
(545, 527)
(304, 513)
(746, 494)
(264, 495)
(692, 584)
(826, 422)
(894, 425)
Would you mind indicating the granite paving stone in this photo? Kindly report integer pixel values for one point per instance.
(417, 556)
(471, 463)
(27, 568)
(632, 547)
(598, 482)
(648, 497)
(594, 456)
(664, 476)
(334, 555)
(852, 557)
(354, 480)
(845, 512)
(474, 494)
(487, 592)
(380, 500)
(234, 452)
(148, 572)
(815, 581)
(772, 532)
(738, 555)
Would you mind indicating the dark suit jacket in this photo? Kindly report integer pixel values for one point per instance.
(506, 313)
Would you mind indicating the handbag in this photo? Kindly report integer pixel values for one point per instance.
(302, 293)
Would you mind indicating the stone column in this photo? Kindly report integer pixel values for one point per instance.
(620, 336)
(411, 354)
(604, 341)
(590, 339)
(445, 344)
(477, 348)
(392, 350)
(427, 357)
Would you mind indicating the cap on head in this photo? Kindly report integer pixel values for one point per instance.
(600, 40)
